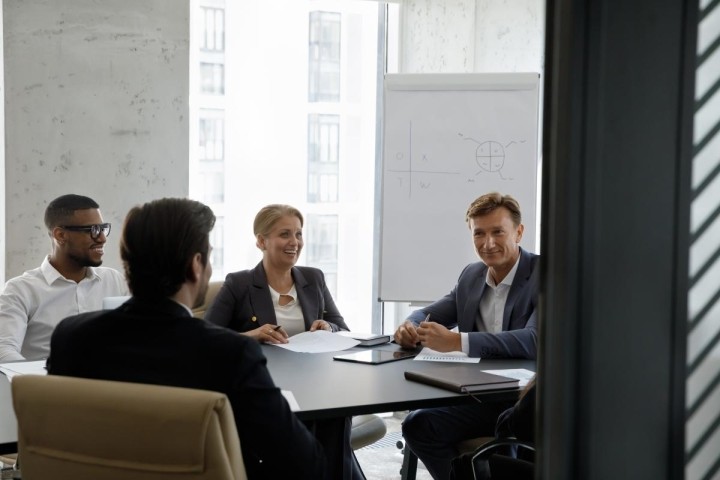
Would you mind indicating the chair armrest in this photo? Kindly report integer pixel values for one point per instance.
(483, 453)
(485, 450)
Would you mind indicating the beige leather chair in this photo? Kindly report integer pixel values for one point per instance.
(213, 288)
(80, 429)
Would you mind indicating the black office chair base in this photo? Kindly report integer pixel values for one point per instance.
(408, 470)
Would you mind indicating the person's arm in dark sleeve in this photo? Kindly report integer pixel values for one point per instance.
(520, 343)
(275, 444)
(330, 313)
(519, 420)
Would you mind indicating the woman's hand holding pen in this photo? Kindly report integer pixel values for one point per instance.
(320, 325)
(406, 335)
(269, 334)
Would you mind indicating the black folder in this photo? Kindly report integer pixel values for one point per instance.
(462, 378)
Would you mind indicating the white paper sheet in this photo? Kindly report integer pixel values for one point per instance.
(22, 368)
(521, 374)
(319, 341)
(430, 355)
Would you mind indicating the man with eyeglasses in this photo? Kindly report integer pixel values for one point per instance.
(69, 281)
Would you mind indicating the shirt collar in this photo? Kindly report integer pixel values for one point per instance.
(508, 280)
(51, 274)
(187, 309)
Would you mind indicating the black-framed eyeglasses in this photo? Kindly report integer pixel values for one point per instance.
(94, 230)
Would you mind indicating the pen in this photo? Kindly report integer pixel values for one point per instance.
(427, 318)
(277, 327)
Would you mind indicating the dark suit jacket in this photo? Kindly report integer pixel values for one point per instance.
(158, 342)
(244, 303)
(461, 308)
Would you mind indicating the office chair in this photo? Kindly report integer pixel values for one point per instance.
(490, 461)
(81, 429)
(366, 430)
(408, 469)
(212, 291)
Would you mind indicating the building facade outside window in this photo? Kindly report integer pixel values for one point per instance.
(207, 145)
(323, 155)
(212, 37)
(211, 155)
(212, 78)
(283, 106)
(322, 247)
(324, 57)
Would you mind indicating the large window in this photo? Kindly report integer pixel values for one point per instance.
(212, 78)
(283, 104)
(211, 155)
(322, 247)
(212, 37)
(217, 257)
(323, 154)
(324, 57)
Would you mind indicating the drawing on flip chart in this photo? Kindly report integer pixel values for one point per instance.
(411, 172)
(415, 173)
(490, 155)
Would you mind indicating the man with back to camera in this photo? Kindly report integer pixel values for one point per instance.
(69, 280)
(154, 339)
(494, 307)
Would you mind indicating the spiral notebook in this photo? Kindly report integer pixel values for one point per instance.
(461, 378)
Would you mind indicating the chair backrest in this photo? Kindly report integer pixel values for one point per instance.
(213, 288)
(75, 428)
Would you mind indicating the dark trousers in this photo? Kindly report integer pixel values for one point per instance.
(433, 433)
(334, 436)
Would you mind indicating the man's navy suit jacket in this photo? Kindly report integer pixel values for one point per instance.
(461, 308)
(158, 342)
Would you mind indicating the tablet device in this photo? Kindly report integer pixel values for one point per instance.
(375, 357)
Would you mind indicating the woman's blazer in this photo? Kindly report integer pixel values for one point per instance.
(244, 302)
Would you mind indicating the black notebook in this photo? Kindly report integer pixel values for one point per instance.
(462, 378)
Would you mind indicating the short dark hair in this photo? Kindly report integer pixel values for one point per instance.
(59, 211)
(490, 202)
(159, 240)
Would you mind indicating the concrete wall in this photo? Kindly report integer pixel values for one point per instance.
(450, 36)
(96, 103)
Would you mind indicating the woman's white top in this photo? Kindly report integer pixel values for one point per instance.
(289, 316)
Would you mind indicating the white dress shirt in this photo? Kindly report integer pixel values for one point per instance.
(32, 304)
(492, 305)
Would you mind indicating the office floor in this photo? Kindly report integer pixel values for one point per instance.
(383, 459)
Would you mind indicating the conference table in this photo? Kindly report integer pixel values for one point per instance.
(327, 388)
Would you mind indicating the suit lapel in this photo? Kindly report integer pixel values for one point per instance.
(260, 298)
(522, 274)
(472, 306)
